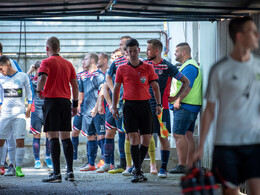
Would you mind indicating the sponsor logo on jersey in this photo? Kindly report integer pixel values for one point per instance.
(13, 92)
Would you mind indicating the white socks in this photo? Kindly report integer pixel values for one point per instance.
(19, 156)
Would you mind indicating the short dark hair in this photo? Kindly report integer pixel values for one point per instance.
(1, 48)
(4, 60)
(156, 43)
(37, 64)
(236, 25)
(185, 46)
(182, 44)
(93, 56)
(132, 42)
(104, 55)
(53, 43)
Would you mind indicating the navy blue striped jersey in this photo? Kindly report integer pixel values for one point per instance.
(90, 83)
(112, 72)
(165, 71)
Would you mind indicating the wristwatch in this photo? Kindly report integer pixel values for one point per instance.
(159, 105)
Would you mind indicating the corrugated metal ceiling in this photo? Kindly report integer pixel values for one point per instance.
(165, 10)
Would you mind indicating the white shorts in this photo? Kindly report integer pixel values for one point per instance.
(15, 126)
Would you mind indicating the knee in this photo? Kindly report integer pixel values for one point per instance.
(91, 137)
(75, 133)
(110, 134)
(20, 143)
(189, 135)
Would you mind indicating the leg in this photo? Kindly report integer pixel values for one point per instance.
(36, 150)
(75, 142)
(135, 152)
(67, 149)
(128, 152)
(55, 150)
(2, 169)
(92, 147)
(145, 141)
(48, 153)
(191, 145)
(182, 148)
(230, 191)
(11, 149)
(151, 151)
(254, 186)
(19, 157)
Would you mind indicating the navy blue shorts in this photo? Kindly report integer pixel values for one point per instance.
(112, 123)
(36, 122)
(138, 117)
(77, 122)
(233, 165)
(183, 121)
(166, 120)
(93, 126)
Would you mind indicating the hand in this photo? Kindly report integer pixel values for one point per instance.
(110, 108)
(158, 110)
(79, 110)
(115, 113)
(197, 155)
(28, 113)
(176, 105)
(101, 109)
(40, 95)
(93, 112)
(172, 99)
(73, 111)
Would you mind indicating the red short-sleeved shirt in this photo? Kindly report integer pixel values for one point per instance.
(60, 71)
(136, 80)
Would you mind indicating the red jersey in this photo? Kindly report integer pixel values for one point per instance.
(136, 80)
(60, 72)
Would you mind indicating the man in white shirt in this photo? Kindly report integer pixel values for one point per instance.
(234, 84)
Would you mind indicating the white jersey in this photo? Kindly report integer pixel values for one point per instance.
(14, 89)
(16, 67)
(236, 88)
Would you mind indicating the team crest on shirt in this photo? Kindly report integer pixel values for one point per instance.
(160, 72)
(143, 79)
(17, 82)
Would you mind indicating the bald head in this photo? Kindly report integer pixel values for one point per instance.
(53, 43)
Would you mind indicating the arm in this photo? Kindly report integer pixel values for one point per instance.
(110, 83)
(75, 93)
(40, 84)
(207, 118)
(31, 70)
(157, 95)
(29, 91)
(107, 95)
(183, 92)
(115, 99)
(81, 97)
(101, 101)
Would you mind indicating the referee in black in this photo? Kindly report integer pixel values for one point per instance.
(56, 75)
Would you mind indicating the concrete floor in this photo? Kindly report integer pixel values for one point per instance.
(88, 183)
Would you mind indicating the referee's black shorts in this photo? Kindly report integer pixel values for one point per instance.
(57, 114)
(138, 117)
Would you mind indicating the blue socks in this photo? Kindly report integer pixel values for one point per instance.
(36, 148)
(121, 144)
(101, 144)
(109, 149)
(48, 148)
(164, 158)
(75, 143)
(92, 151)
